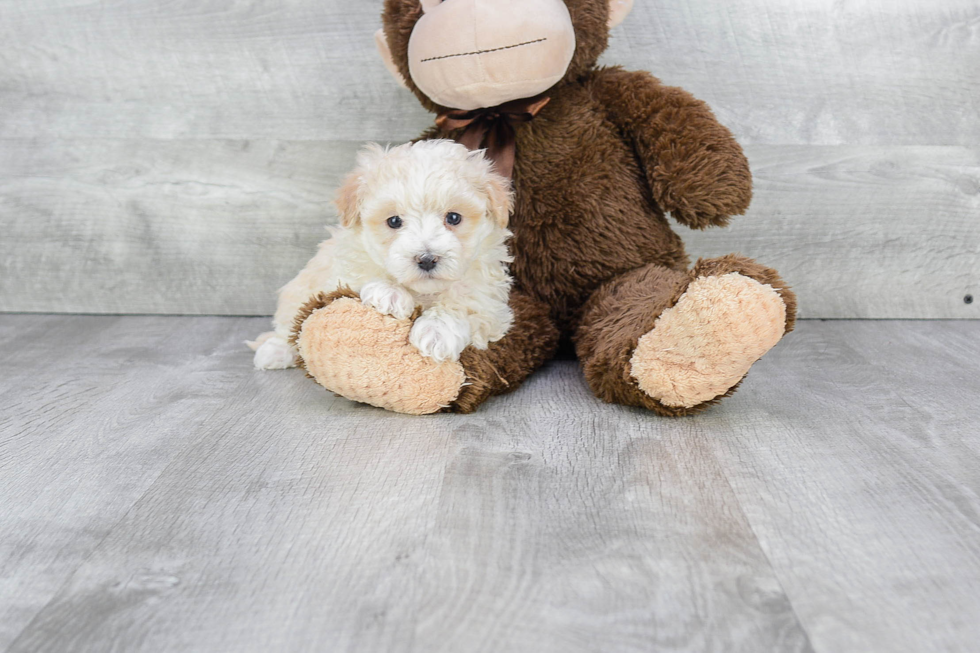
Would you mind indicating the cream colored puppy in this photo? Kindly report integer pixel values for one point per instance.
(422, 224)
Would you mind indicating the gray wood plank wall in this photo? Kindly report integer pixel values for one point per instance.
(180, 157)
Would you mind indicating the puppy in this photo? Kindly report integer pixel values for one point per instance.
(422, 224)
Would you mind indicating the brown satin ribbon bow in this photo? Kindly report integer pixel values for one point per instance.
(493, 128)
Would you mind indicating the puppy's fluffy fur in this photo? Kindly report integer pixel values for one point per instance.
(397, 214)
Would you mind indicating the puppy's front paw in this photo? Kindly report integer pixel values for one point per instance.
(388, 299)
(439, 335)
(274, 354)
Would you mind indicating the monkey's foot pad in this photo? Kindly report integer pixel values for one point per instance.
(702, 346)
(360, 354)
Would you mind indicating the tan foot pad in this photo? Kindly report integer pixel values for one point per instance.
(703, 345)
(365, 356)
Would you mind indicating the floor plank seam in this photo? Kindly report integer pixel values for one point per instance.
(762, 549)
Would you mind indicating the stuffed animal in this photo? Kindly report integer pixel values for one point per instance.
(597, 157)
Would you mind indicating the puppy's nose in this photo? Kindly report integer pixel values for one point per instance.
(427, 262)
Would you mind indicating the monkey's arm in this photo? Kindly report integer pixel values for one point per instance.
(693, 164)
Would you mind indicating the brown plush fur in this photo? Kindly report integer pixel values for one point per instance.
(599, 166)
(626, 308)
(596, 171)
(505, 364)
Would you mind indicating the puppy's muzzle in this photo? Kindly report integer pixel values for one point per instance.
(427, 262)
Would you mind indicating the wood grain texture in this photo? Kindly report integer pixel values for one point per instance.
(300, 70)
(215, 227)
(180, 157)
(822, 72)
(859, 233)
(277, 517)
(93, 410)
(160, 495)
(871, 72)
(866, 493)
(161, 226)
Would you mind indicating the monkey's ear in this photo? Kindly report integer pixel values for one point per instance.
(389, 61)
(618, 10)
(348, 200)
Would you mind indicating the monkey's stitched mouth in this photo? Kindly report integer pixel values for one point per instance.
(467, 54)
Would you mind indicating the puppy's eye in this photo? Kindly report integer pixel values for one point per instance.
(453, 219)
(394, 222)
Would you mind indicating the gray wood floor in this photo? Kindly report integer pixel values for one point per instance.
(157, 494)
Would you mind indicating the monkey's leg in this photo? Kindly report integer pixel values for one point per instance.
(676, 342)
(358, 353)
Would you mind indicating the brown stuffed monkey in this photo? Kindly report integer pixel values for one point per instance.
(597, 156)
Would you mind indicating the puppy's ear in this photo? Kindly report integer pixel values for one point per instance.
(348, 200)
(350, 196)
(501, 199)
